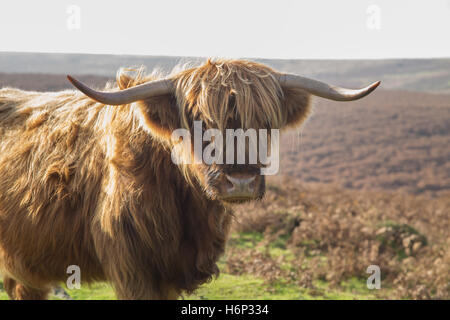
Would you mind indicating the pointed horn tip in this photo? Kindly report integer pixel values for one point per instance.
(72, 80)
(375, 84)
(83, 88)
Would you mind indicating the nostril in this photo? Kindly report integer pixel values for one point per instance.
(241, 183)
(229, 185)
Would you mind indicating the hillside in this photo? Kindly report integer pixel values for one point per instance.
(424, 75)
(391, 140)
(46, 82)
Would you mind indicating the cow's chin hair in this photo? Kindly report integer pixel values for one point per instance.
(231, 200)
(237, 200)
(241, 200)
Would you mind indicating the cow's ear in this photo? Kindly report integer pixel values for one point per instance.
(297, 105)
(159, 115)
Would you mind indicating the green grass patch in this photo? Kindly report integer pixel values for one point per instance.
(229, 287)
(245, 240)
(97, 291)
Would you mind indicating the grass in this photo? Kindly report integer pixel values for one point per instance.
(242, 287)
(246, 286)
(99, 291)
(230, 287)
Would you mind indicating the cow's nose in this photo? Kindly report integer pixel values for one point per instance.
(241, 184)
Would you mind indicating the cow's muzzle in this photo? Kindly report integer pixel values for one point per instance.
(240, 187)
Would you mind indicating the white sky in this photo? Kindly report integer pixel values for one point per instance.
(231, 28)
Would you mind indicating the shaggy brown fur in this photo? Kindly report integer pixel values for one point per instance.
(92, 185)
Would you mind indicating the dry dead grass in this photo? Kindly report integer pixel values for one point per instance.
(336, 234)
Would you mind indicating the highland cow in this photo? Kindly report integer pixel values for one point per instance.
(88, 179)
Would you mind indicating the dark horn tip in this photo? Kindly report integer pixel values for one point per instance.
(71, 79)
(373, 86)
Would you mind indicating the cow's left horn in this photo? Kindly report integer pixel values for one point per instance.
(324, 90)
(140, 92)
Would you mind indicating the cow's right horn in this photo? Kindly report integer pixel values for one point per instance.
(323, 89)
(139, 92)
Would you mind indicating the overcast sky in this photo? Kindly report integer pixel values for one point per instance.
(341, 29)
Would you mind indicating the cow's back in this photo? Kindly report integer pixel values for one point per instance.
(51, 166)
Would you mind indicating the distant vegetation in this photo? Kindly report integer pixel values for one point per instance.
(46, 82)
(393, 141)
(425, 75)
